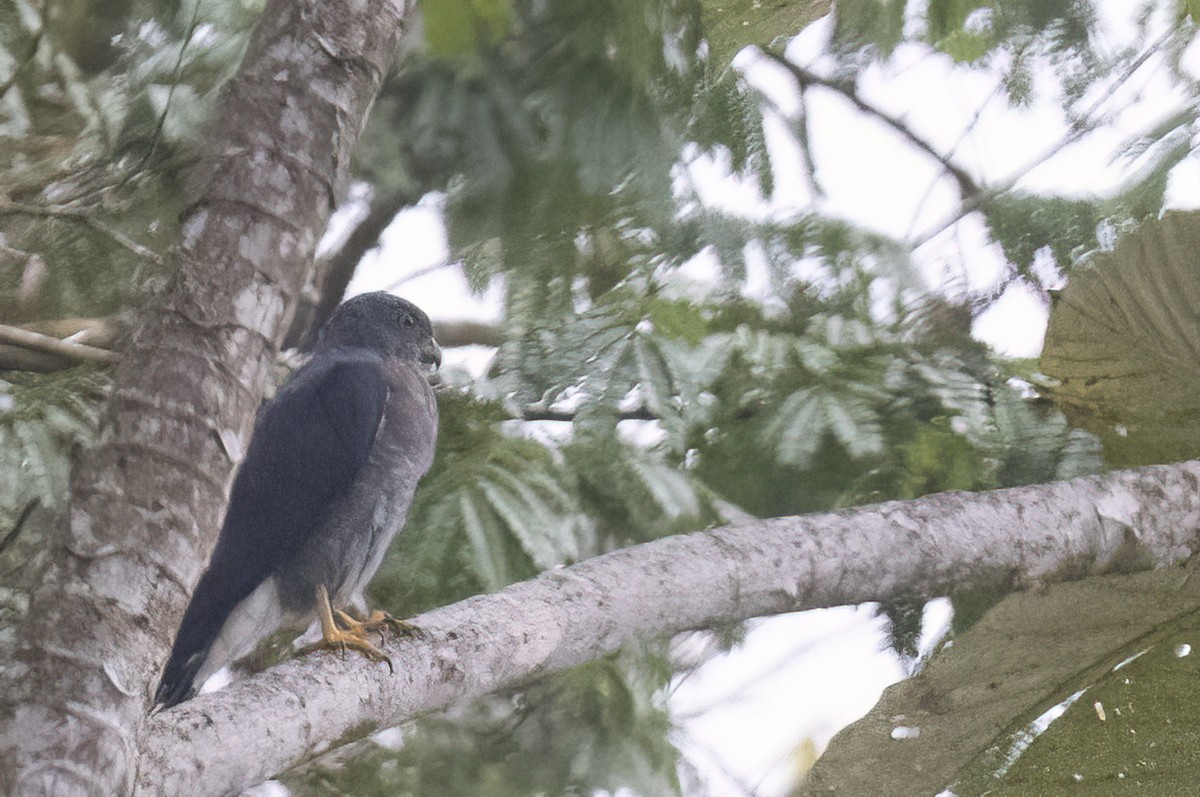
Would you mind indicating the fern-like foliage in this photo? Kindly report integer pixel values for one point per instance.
(498, 507)
(42, 418)
(495, 509)
(103, 107)
(598, 728)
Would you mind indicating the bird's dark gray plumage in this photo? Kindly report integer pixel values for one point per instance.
(326, 484)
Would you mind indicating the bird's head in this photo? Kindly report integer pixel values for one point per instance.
(383, 323)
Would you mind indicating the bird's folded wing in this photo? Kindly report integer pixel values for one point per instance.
(308, 446)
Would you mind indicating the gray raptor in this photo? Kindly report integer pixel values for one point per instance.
(326, 484)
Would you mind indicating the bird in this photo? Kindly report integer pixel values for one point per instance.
(326, 484)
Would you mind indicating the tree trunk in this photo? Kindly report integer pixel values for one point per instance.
(147, 498)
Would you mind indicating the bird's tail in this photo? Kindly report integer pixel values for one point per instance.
(179, 678)
(198, 631)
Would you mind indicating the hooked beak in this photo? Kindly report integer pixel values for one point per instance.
(431, 355)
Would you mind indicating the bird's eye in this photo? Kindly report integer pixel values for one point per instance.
(408, 321)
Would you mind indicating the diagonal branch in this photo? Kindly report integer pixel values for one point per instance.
(967, 186)
(84, 216)
(235, 738)
(335, 271)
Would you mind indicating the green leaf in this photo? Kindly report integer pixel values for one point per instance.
(855, 424)
(678, 319)
(869, 24)
(1023, 224)
(971, 712)
(936, 458)
(675, 496)
(634, 494)
(46, 417)
(1122, 345)
(959, 392)
(966, 46)
(798, 427)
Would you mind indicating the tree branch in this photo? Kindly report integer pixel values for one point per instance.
(29, 352)
(78, 352)
(1126, 520)
(532, 413)
(1084, 123)
(83, 215)
(967, 186)
(451, 334)
(335, 271)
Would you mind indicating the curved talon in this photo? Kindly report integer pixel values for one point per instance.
(353, 634)
(345, 640)
(378, 621)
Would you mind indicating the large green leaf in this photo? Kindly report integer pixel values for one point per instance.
(1081, 688)
(1124, 344)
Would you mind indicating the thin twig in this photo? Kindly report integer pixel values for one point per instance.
(416, 275)
(10, 208)
(124, 240)
(544, 414)
(804, 77)
(162, 117)
(35, 40)
(83, 215)
(1085, 124)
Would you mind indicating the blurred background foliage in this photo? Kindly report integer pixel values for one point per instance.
(559, 133)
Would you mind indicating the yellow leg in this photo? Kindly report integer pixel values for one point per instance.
(334, 638)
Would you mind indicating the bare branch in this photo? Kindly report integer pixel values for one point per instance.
(966, 184)
(451, 334)
(104, 332)
(18, 358)
(335, 271)
(223, 742)
(1085, 123)
(27, 354)
(84, 216)
(418, 274)
(544, 414)
(77, 352)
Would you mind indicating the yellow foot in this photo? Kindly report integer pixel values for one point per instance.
(378, 622)
(348, 640)
(355, 632)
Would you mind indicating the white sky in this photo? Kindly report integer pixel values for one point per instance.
(805, 676)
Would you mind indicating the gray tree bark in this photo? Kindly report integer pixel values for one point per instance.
(147, 498)
(235, 738)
